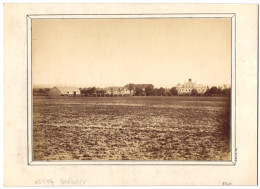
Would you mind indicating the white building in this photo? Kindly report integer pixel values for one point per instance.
(64, 91)
(117, 91)
(187, 87)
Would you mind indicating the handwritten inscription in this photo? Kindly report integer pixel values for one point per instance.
(44, 181)
(226, 183)
(71, 181)
(62, 182)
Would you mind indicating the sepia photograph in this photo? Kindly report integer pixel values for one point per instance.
(131, 89)
(147, 94)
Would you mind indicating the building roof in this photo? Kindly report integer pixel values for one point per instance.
(199, 85)
(189, 82)
(180, 85)
(67, 89)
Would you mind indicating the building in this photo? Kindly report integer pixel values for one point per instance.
(187, 87)
(133, 87)
(64, 91)
(118, 91)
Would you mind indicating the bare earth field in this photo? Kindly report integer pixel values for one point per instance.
(131, 128)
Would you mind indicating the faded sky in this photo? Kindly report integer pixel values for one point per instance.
(114, 52)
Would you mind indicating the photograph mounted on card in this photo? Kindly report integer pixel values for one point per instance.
(107, 89)
(130, 94)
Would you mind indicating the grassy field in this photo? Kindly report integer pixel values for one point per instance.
(131, 128)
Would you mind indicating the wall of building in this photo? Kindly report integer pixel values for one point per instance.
(117, 91)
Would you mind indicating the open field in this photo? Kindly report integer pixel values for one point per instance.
(131, 128)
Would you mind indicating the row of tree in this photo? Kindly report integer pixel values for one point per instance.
(147, 91)
(150, 91)
(41, 91)
(214, 91)
(92, 91)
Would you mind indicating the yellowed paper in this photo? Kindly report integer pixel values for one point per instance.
(20, 20)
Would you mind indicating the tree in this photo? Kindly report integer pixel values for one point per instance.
(194, 92)
(155, 92)
(84, 91)
(226, 92)
(219, 91)
(41, 91)
(161, 91)
(100, 92)
(139, 91)
(93, 90)
(174, 91)
(88, 91)
(149, 91)
(212, 91)
(207, 93)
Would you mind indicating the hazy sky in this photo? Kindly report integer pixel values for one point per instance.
(114, 52)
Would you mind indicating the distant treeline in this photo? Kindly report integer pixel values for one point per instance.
(41, 91)
(92, 91)
(214, 91)
(147, 91)
(151, 91)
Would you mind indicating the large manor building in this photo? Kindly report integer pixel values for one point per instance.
(187, 87)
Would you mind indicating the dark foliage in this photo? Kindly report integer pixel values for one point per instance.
(41, 91)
